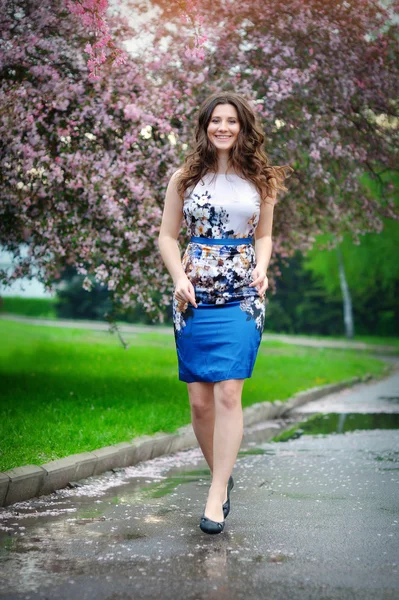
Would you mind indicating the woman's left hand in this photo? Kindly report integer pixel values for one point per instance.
(260, 281)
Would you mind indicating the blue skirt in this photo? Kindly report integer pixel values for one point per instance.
(220, 339)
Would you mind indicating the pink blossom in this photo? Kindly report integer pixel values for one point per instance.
(131, 111)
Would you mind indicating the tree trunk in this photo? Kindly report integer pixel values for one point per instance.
(346, 297)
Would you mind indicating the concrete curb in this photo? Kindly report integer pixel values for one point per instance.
(30, 481)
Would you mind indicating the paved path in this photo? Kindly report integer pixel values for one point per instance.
(380, 397)
(296, 340)
(313, 517)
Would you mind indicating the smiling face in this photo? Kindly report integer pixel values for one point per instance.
(223, 126)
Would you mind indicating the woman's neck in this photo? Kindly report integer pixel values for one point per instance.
(223, 172)
(222, 164)
(222, 169)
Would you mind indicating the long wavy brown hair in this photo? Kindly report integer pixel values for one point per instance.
(247, 157)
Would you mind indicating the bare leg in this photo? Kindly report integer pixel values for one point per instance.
(227, 439)
(202, 405)
(203, 416)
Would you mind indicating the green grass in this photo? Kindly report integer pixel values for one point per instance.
(29, 307)
(72, 390)
(377, 340)
(367, 339)
(44, 307)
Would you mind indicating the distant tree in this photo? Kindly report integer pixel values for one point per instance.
(74, 302)
(302, 304)
(346, 296)
(372, 272)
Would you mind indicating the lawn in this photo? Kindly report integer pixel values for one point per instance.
(72, 390)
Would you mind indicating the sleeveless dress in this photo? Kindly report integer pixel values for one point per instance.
(220, 339)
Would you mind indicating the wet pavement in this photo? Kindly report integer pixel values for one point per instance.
(314, 515)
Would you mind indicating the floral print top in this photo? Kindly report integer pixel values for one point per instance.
(222, 206)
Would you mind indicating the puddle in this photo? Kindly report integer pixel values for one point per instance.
(254, 451)
(390, 398)
(323, 425)
(276, 557)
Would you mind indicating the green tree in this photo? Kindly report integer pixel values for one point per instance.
(372, 271)
(371, 267)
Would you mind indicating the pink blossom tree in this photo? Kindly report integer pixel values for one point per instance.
(324, 77)
(93, 16)
(86, 160)
(83, 162)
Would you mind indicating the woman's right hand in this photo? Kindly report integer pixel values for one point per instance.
(184, 293)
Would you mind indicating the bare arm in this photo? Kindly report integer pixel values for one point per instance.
(263, 245)
(168, 244)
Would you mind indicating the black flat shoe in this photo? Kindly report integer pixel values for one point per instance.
(226, 505)
(209, 526)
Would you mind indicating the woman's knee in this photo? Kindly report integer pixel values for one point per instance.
(201, 399)
(228, 393)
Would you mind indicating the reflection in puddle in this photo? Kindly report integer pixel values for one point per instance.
(326, 424)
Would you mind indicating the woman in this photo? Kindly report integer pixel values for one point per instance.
(226, 191)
